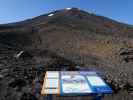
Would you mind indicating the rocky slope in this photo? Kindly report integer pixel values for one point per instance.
(65, 38)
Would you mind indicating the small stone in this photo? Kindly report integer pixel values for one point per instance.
(1, 76)
(4, 70)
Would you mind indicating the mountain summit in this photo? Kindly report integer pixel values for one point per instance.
(70, 32)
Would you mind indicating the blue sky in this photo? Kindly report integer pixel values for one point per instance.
(17, 10)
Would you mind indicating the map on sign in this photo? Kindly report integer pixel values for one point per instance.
(74, 83)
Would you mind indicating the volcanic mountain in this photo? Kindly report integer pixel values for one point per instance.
(91, 41)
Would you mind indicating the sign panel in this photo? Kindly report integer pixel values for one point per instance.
(96, 81)
(51, 83)
(98, 85)
(74, 83)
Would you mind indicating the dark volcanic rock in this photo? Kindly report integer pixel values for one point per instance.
(27, 96)
(127, 55)
(17, 83)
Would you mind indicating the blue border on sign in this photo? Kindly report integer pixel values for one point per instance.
(105, 89)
